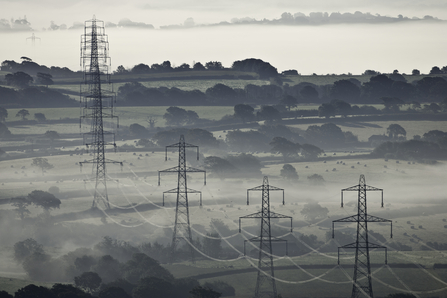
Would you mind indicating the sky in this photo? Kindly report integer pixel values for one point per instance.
(309, 49)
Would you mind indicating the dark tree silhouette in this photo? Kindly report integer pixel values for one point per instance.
(88, 281)
(44, 199)
(244, 112)
(18, 79)
(3, 114)
(289, 172)
(395, 130)
(22, 114)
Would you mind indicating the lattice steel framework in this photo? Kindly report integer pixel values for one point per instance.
(97, 99)
(182, 228)
(362, 267)
(265, 282)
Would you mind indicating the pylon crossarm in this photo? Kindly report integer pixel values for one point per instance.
(269, 187)
(254, 215)
(372, 218)
(277, 215)
(352, 218)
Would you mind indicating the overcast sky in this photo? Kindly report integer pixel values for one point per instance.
(309, 49)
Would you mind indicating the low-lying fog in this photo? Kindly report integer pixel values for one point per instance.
(308, 49)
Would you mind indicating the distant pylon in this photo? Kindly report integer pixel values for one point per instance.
(362, 268)
(265, 282)
(33, 39)
(97, 103)
(182, 228)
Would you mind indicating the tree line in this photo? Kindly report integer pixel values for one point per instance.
(385, 89)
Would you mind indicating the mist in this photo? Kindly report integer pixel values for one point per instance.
(322, 49)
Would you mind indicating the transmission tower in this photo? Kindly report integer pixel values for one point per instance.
(33, 39)
(265, 282)
(182, 228)
(97, 99)
(362, 269)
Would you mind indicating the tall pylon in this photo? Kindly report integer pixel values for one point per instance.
(265, 282)
(182, 228)
(361, 281)
(97, 103)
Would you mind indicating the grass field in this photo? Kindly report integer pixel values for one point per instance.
(413, 193)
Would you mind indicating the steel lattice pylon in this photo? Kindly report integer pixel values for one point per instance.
(182, 228)
(362, 267)
(265, 282)
(97, 103)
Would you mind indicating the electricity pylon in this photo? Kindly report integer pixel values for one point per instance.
(182, 228)
(97, 103)
(33, 39)
(362, 268)
(265, 282)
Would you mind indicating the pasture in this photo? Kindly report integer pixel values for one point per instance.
(414, 197)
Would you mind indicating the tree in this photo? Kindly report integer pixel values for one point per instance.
(284, 147)
(203, 292)
(84, 263)
(213, 65)
(269, 113)
(21, 203)
(179, 116)
(88, 281)
(153, 287)
(221, 93)
(289, 101)
(310, 151)
(345, 90)
(40, 117)
(69, 291)
(289, 172)
(138, 130)
(33, 291)
(44, 199)
(435, 70)
(108, 268)
(395, 130)
(44, 79)
(4, 131)
(316, 179)
(326, 110)
(198, 66)
(25, 248)
(309, 93)
(246, 163)
(244, 112)
(220, 166)
(113, 292)
(212, 245)
(312, 211)
(42, 163)
(22, 113)
(4, 294)
(415, 72)
(52, 135)
(3, 114)
(341, 107)
(18, 79)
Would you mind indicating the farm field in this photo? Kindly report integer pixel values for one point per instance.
(414, 197)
